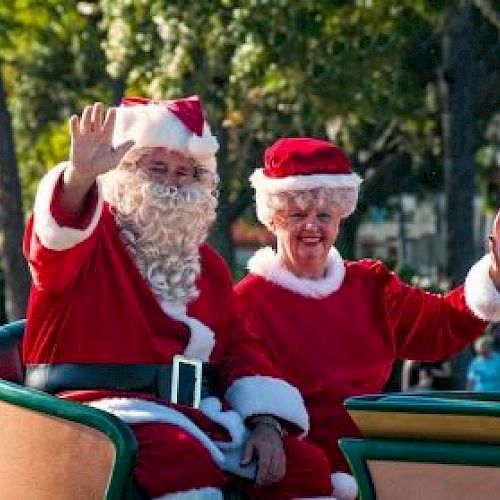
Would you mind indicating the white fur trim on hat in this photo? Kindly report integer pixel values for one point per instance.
(208, 493)
(344, 486)
(481, 295)
(153, 125)
(302, 182)
(266, 263)
(202, 339)
(257, 394)
(51, 234)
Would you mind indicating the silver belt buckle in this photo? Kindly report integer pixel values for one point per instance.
(197, 365)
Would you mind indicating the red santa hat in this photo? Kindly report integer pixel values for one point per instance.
(302, 163)
(178, 125)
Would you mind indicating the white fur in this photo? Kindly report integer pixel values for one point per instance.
(302, 182)
(228, 419)
(207, 493)
(259, 394)
(481, 295)
(153, 125)
(133, 411)
(51, 234)
(266, 263)
(202, 339)
(344, 486)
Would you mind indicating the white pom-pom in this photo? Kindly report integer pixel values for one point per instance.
(204, 146)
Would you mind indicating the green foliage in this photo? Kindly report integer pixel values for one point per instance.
(53, 66)
(361, 73)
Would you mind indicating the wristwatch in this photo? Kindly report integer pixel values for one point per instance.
(269, 421)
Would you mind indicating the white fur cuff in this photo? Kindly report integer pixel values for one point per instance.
(344, 486)
(197, 494)
(260, 394)
(481, 295)
(51, 235)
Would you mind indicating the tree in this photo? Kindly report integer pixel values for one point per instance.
(242, 57)
(47, 65)
(16, 277)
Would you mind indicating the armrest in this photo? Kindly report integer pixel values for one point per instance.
(50, 446)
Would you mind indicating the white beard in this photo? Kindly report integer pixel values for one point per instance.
(162, 228)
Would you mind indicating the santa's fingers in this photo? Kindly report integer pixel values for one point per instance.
(109, 123)
(74, 127)
(86, 121)
(495, 230)
(96, 118)
(494, 249)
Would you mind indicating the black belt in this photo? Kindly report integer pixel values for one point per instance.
(151, 379)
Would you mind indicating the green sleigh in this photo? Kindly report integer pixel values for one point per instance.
(437, 446)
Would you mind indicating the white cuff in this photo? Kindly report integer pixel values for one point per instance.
(481, 295)
(258, 394)
(51, 234)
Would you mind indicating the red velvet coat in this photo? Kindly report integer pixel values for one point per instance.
(341, 338)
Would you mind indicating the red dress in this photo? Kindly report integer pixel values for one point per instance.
(339, 336)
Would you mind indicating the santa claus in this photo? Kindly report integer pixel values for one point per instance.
(124, 283)
(333, 327)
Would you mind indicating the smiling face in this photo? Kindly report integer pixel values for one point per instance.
(305, 233)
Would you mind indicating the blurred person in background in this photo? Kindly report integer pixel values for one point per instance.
(484, 371)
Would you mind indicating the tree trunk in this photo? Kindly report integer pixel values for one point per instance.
(220, 235)
(16, 276)
(458, 86)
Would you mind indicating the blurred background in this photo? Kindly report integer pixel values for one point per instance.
(410, 89)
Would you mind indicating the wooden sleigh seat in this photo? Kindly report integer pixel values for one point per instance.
(436, 445)
(53, 449)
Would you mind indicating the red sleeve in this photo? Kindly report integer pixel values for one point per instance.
(425, 326)
(57, 244)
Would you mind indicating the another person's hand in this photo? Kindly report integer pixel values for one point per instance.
(266, 444)
(494, 246)
(92, 152)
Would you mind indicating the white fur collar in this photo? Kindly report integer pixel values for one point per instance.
(202, 339)
(266, 263)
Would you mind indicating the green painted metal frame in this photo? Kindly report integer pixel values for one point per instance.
(358, 451)
(451, 403)
(120, 486)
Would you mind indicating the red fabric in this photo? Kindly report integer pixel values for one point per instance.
(307, 475)
(304, 156)
(189, 110)
(80, 221)
(90, 304)
(166, 452)
(346, 343)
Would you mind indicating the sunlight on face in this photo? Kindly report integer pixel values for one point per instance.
(166, 166)
(305, 235)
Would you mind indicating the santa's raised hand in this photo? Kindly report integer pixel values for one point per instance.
(494, 244)
(92, 154)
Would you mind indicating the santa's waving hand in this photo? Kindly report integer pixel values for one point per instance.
(91, 154)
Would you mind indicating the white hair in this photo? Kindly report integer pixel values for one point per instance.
(343, 199)
(162, 228)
